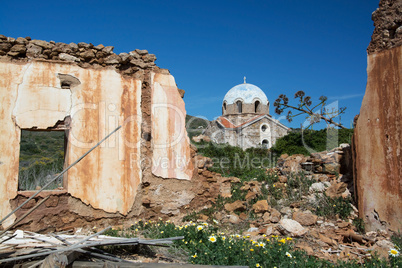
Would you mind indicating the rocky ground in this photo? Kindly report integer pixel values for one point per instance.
(304, 212)
(307, 199)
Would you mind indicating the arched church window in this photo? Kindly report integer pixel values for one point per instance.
(265, 144)
(239, 107)
(256, 106)
(263, 128)
(224, 108)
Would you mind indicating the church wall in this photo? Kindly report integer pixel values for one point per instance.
(277, 131)
(250, 136)
(246, 108)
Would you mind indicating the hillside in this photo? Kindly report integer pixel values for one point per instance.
(195, 125)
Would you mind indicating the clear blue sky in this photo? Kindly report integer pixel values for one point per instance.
(280, 46)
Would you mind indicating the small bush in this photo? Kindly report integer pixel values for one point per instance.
(359, 224)
(330, 207)
(318, 140)
(233, 161)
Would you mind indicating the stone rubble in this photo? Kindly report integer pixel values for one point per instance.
(83, 54)
(329, 238)
(388, 26)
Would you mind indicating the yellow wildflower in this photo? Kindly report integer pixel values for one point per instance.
(212, 238)
(393, 252)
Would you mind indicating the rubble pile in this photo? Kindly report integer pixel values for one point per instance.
(333, 237)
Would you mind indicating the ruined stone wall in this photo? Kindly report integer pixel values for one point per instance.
(387, 20)
(377, 139)
(146, 169)
(83, 54)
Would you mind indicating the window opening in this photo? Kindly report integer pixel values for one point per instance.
(256, 106)
(265, 144)
(42, 157)
(263, 128)
(239, 107)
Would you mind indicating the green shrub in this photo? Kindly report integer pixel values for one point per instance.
(318, 140)
(41, 157)
(359, 224)
(195, 125)
(330, 207)
(233, 161)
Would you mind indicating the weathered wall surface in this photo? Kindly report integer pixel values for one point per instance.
(171, 156)
(106, 178)
(377, 139)
(145, 170)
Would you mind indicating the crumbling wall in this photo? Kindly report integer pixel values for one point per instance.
(146, 169)
(171, 153)
(387, 20)
(377, 137)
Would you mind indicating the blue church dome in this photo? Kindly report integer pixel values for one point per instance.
(247, 93)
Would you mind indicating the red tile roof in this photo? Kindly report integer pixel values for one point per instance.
(227, 124)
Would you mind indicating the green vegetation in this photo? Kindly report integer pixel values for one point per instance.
(41, 156)
(205, 244)
(359, 224)
(318, 140)
(233, 161)
(195, 125)
(330, 207)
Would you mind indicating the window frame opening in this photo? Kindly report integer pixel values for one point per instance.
(265, 144)
(257, 106)
(264, 127)
(42, 156)
(239, 105)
